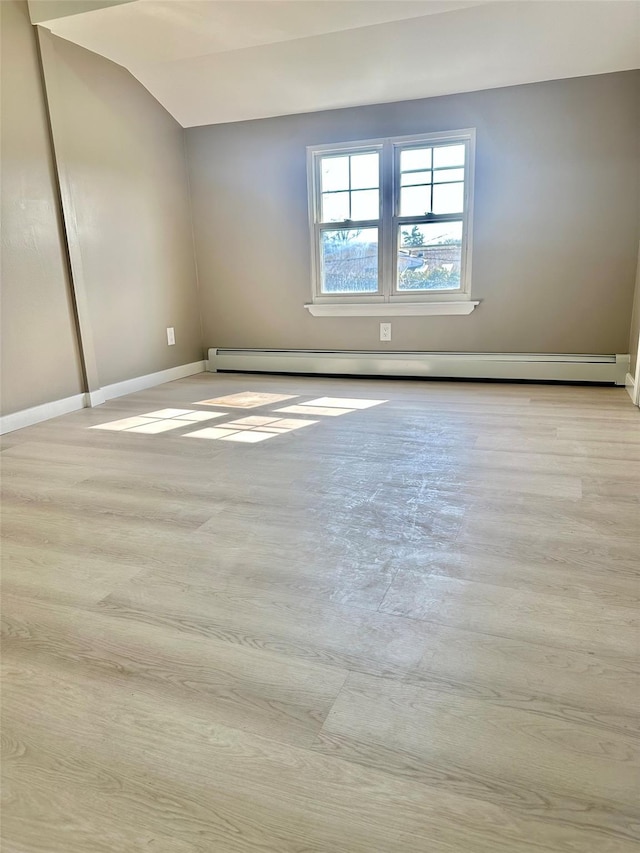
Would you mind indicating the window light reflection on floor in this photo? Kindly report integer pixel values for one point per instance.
(251, 430)
(246, 400)
(157, 426)
(161, 421)
(330, 406)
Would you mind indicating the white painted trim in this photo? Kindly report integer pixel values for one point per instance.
(623, 364)
(389, 221)
(468, 138)
(94, 398)
(36, 414)
(630, 385)
(635, 398)
(140, 383)
(517, 366)
(389, 309)
(379, 141)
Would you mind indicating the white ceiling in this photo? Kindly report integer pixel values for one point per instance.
(210, 61)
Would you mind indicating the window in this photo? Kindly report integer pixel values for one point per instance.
(391, 225)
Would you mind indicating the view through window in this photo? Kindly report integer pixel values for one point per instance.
(391, 218)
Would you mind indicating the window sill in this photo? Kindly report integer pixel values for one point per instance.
(389, 309)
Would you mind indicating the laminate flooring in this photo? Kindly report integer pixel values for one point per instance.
(401, 617)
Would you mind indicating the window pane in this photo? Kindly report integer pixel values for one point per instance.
(364, 171)
(409, 178)
(415, 158)
(448, 155)
(448, 175)
(430, 256)
(448, 198)
(415, 201)
(335, 207)
(349, 260)
(364, 204)
(335, 173)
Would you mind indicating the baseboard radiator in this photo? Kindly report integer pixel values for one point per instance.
(535, 367)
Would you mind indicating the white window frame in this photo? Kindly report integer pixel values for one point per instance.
(388, 301)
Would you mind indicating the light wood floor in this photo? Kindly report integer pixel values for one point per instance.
(409, 628)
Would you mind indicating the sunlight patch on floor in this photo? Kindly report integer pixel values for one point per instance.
(246, 400)
(161, 421)
(250, 429)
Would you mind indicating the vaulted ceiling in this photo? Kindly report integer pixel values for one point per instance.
(210, 61)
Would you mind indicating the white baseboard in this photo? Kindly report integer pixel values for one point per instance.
(94, 398)
(630, 385)
(141, 383)
(37, 414)
(610, 369)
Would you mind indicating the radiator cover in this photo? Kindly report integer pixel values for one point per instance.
(603, 369)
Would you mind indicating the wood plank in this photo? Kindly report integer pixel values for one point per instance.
(570, 445)
(58, 576)
(561, 772)
(533, 617)
(286, 700)
(293, 626)
(617, 554)
(615, 530)
(550, 463)
(607, 585)
(103, 503)
(626, 435)
(182, 776)
(554, 682)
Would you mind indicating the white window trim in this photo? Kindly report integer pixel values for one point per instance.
(387, 301)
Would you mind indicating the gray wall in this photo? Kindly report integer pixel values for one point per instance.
(39, 354)
(122, 163)
(555, 241)
(125, 212)
(556, 221)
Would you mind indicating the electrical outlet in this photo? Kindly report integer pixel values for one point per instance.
(171, 336)
(385, 331)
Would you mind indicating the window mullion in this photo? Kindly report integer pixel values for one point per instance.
(358, 225)
(431, 217)
(317, 188)
(386, 225)
(317, 260)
